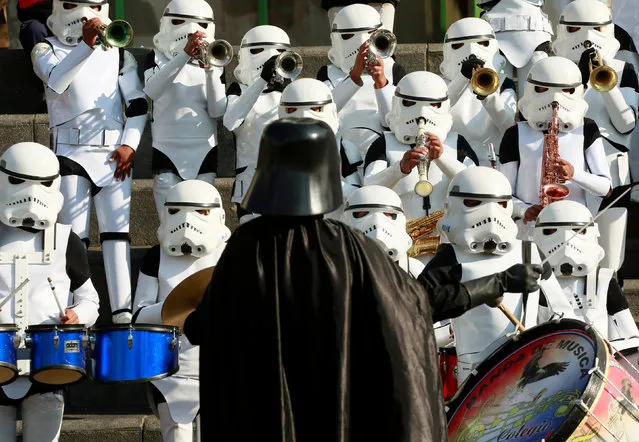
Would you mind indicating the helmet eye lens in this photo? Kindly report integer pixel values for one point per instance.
(569, 90)
(540, 89)
(390, 215)
(471, 203)
(457, 45)
(503, 204)
(583, 232)
(484, 43)
(204, 25)
(290, 110)
(436, 105)
(347, 36)
(317, 108)
(47, 183)
(69, 5)
(177, 22)
(549, 232)
(360, 214)
(173, 211)
(281, 51)
(572, 29)
(408, 103)
(14, 180)
(204, 212)
(257, 51)
(96, 7)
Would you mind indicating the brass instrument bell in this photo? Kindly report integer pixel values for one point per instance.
(218, 54)
(602, 78)
(484, 82)
(118, 34)
(289, 65)
(382, 43)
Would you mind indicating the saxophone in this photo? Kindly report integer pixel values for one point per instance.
(423, 187)
(422, 231)
(552, 187)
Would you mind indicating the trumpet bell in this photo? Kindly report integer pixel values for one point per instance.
(289, 65)
(382, 43)
(219, 53)
(603, 79)
(484, 82)
(423, 188)
(556, 192)
(118, 34)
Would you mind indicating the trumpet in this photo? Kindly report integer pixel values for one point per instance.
(382, 43)
(289, 65)
(485, 81)
(219, 53)
(423, 187)
(602, 78)
(118, 34)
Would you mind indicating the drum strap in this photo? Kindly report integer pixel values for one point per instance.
(526, 258)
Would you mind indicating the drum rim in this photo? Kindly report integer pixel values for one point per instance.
(137, 381)
(590, 392)
(53, 327)
(14, 369)
(137, 327)
(8, 327)
(75, 368)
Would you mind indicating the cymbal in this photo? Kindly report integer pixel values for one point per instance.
(185, 297)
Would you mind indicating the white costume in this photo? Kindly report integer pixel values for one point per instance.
(85, 88)
(377, 212)
(592, 291)
(554, 79)
(186, 100)
(613, 111)
(481, 122)
(523, 32)
(479, 226)
(361, 108)
(33, 246)
(418, 94)
(309, 98)
(183, 251)
(253, 103)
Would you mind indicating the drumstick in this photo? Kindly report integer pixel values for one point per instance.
(13, 293)
(57, 301)
(512, 317)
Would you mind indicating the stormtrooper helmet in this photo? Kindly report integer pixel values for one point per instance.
(488, 4)
(65, 20)
(554, 79)
(478, 212)
(466, 37)
(420, 94)
(351, 28)
(377, 212)
(182, 18)
(258, 46)
(583, 24)
(192, 222)
(30, 186)
(309, 98)
(557, 224)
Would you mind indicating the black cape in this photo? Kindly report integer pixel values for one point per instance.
(308, 332)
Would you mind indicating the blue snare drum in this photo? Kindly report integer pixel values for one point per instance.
(8, 367)
(57, 353)
(128, 353)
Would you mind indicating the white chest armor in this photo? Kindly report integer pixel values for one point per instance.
(94, 87)
(595, 286)
(405, 188)
(361, 111)
(479, 327)
(531, 145)
(182, 128)
(473, 122)
(247, 136)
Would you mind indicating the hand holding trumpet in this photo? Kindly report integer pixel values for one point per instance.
(194, 47)
(91, 31)
(412, 157)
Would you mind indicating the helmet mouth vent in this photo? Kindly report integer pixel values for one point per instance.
(566, 269)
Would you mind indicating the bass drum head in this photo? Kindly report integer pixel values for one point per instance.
(527, 389)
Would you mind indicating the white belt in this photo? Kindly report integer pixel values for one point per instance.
(76, 137)
(520, 23)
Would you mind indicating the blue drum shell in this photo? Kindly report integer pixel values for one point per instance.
(153, 353)
(8, 360)
(69, 356)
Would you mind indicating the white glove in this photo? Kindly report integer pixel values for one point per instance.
(122, 318)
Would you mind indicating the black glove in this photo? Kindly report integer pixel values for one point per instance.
(277, 84)
(472, 62)
(268, 70)
(584, 64)
(490, 289)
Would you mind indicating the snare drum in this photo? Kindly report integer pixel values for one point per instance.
(128, 353)
(8, 361)
(448, 369)
(555, 382)
(57, 353)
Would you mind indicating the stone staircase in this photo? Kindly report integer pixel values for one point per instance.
(121, 412)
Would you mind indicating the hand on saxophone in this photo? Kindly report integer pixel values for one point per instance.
(91, 31)
(564, 170)
(532, 213)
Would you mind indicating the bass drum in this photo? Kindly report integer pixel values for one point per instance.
(555, 382)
